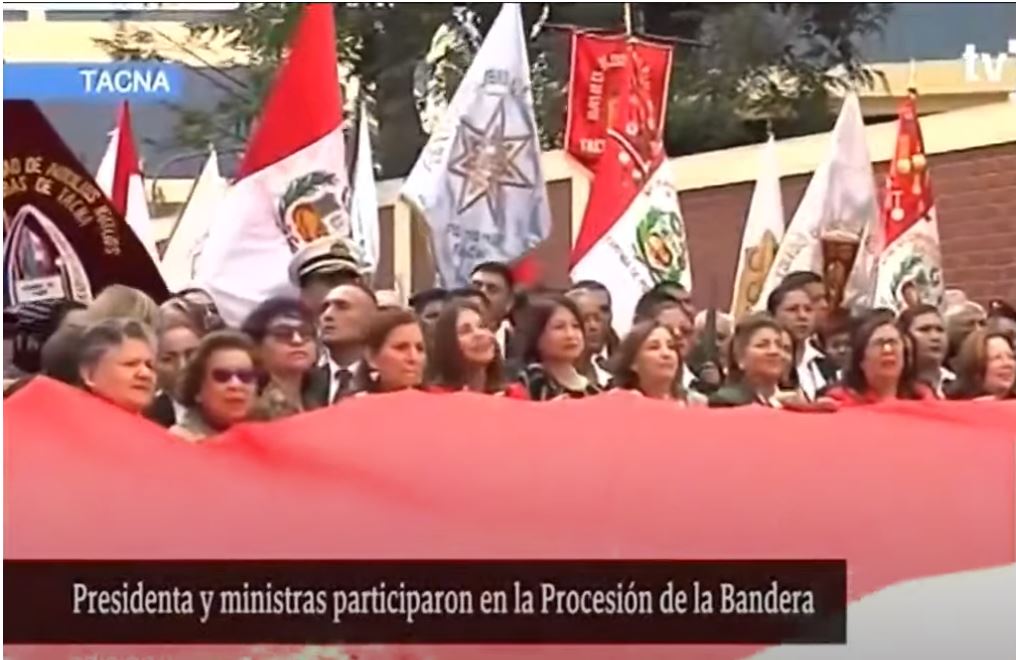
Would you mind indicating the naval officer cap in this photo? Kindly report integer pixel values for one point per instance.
(324, 256)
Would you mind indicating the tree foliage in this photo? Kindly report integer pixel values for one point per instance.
(736, 66)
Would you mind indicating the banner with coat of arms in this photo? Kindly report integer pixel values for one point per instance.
(910, 264)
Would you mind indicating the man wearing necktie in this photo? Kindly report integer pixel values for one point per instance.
(347, 312)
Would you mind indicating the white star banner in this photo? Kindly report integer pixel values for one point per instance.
(478, 182)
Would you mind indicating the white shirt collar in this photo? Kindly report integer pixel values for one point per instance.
(809, 376)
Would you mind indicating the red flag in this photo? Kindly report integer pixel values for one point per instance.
(119, 176)
(293, 187)
(899, 490)
(908, 196)
(596, 89)
(910, 264)
(634, 148)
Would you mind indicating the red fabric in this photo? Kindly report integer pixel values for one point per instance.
(595, 87)
(512, 391)
(305, 101)
(527, 270)
(849, 397)
(908, 184)
(900, 490)
(126, 160)
(632, 153)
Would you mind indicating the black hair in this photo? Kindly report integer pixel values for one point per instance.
(418, 301)
(780, 293)
(801, 278)
(534, 321)
(498, 268)
(650, 302)
(468, 292)
(256, 324)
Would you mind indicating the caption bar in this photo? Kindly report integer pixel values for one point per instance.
(436, 602)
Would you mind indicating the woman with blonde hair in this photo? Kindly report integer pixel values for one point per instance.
(119, 301)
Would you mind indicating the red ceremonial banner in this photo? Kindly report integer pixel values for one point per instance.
(899, 491)
(597, 63)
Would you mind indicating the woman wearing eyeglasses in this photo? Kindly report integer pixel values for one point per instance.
(881, 366)
(284, 332)
(218, 386)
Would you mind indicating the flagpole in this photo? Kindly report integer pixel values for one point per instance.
(627, 19)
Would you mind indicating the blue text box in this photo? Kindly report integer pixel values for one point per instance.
(134, 81)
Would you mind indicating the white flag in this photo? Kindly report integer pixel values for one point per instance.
(478, 182)
(363, 213)
(291, 187)
(646, 245)
(763, 231)
(838, 214)
(192, 227)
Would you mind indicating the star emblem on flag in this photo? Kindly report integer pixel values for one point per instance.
(487, 161)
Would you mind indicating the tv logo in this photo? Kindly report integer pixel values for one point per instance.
(992, 65)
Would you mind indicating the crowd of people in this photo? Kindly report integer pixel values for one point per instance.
(181, 366)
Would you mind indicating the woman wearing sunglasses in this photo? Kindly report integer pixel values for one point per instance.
(284, 332)
(218, 386)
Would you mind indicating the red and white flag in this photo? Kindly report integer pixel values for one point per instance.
(597, 71)
(119, 176)
(633, 233)
(910, 264)
(292, 186)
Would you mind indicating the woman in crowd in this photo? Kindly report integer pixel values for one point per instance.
(550, 345)
(395, 354)
(177, 339)
(119, 301)
(115, 360)
(923, 326)
(986, 367)
(648, 362)
(218, 387)
(881, 366)
(759, 358)
(465, 354)
(284, 331)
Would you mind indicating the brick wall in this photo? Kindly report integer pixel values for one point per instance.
(975, 194)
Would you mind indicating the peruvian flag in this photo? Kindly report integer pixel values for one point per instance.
(632, 234)
(291, 187)
(119, 176)
(910, 264)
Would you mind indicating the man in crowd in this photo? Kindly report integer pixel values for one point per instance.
(596, 331)
(791, 304)
(961, 319)
(495, 280)
(815, 287)
(347, 312)
(427, 305)
(322, 265)
(923, 323)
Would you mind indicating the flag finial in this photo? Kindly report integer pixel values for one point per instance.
(912, 78)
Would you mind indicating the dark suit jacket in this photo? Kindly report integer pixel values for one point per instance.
(315, 387)
(161, 411)
(730, 396)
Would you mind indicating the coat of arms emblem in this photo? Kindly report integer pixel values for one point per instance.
(313, 205)
(660, 245)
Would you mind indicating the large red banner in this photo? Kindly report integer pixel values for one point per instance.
(900, 491)
(597, 63)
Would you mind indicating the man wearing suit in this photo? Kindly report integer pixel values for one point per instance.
(347, 312)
